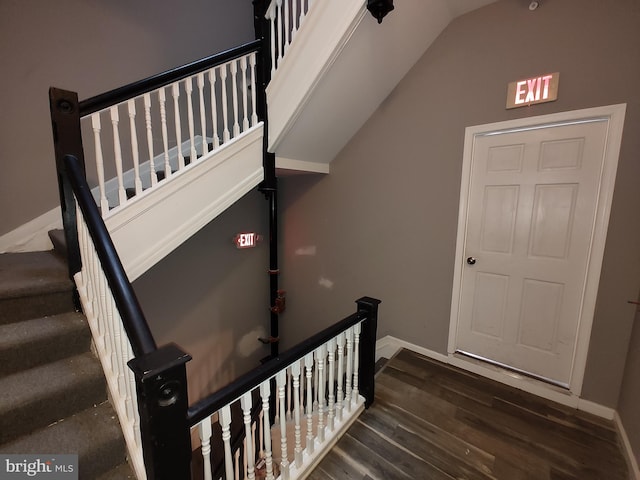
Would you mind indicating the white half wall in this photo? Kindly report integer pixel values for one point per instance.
(158, 221)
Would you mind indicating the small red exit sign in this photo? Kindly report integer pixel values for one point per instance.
(246, 240)
(533, 90)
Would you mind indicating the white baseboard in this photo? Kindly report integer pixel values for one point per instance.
(32, 236)
(387, 347)
(632, 462)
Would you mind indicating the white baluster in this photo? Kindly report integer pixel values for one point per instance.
(203, 116)
(131, 104)
(294, 17)
(295, 373)
(321, 352)
(225, 423)
(115, 120)
(348, 392)
(289, 395)
(132, 411)
(111, 313)
(261, 435)
(147, 119)
(356, 361)
(254, 114)
(237, 463)
(175, 92)
(245, 94)
(188, 85)
(340, 394)
(308, 364)
(214, 108)
(233, 66)
(315, 388)
(246, 403)
(204, 431)
(331, 352)
(281, 382)
(302, 13)
(97, 128)
(244, 451)
(165, 135)
(88, 263)
(280, 31)
(119, 353)
(287, 29)
(223, 100)
(271, 15)
(265, 390)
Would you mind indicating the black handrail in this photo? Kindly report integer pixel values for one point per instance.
(133, 319)
(246, 382)
(120, 94)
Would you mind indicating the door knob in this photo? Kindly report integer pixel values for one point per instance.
(471, 260)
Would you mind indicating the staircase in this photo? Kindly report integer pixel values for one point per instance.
(53, 397)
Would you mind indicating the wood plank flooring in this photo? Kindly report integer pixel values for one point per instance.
(433, 421)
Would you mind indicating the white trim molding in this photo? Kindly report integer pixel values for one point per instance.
(632, 462)
(33, 236)
(614, 116)
(388, 346)
(289, 165)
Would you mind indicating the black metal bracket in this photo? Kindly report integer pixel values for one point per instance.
(268, 340)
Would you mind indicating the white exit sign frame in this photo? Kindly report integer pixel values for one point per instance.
(531, 91)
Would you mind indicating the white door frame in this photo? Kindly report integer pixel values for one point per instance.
(614, 115)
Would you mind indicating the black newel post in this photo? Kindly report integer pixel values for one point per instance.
(367, 360)
(161, 384)
(67, 140)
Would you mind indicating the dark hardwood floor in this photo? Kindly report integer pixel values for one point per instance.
(432, 421)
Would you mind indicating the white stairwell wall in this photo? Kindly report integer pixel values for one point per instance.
(341, 65)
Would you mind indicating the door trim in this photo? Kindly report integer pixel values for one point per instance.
(614, 116)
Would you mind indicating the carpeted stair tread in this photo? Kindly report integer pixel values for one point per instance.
(29, 343)
(33, 284)
(94, 434)
(39, 396)
(32, 273)
(59, 242)
(121, 472)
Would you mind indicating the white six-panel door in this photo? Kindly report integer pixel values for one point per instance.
(531, 212)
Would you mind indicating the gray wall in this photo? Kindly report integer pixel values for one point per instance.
(89, 46)
(630, 391)
(383, 223)
(213, 299)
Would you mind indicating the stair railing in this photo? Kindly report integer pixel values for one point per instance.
(118, 326)
(145, 132)
(285, 17)
(309, 395)
(228, 108)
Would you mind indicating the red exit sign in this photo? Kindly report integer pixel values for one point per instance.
(247, 239)
(531, 91)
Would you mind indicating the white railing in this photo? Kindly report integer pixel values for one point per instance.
(111, 344)
(285, 19)
(315, 399)
(133, 145)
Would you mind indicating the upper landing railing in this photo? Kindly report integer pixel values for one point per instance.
(138, 135)
(285, 18)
